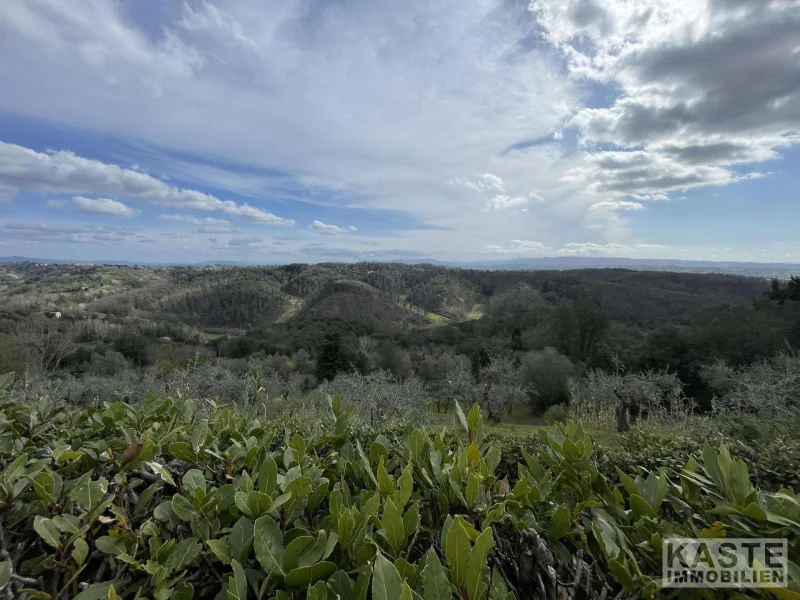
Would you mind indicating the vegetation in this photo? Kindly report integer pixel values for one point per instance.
(178, 499)
(287, 432)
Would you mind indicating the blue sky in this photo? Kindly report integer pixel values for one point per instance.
(302, 130)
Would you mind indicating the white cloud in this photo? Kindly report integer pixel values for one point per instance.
(703, 86)
(520, 247)
(64, 173)
(195, 220)
(325, 229)
(610, 248)
(469, 92)
(503, 202)
(487, 181)
(352, 228)
(615, 205)
(102, 206)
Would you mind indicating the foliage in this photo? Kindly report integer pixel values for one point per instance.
(178, 499)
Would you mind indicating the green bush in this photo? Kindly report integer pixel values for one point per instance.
(177, 499)
(556, 414)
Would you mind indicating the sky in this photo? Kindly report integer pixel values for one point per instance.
(273, 131)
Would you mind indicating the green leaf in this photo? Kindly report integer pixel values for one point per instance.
(268, 543)
(386, 581)
(416, 444)
(457, 550)
(560, 523)
(237, 585)
(393, 529)
(434, 579)
(221, 549)
(47, 530)
(304, 576)
(291, 555)
(110, 545)
(96, 591)
(461, 418)
(80, 551)
(240, 538)
(318, 591)
(194, 480)
(161, 470)
(5, 573)
(184, 553)
(183, 507)
(268, 476)
(640, 507)
(199, 435)
(621, 574)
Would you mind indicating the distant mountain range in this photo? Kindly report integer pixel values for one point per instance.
(754, 269)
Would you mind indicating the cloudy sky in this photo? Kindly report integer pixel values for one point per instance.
(308, 130)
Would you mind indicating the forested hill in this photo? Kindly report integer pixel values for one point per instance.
(410, 320)
(245, 297)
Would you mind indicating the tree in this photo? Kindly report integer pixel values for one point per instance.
(547, 373)
(501, 388)
(45, 342)
(332, 359)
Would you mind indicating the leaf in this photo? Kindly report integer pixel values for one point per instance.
(110, 545)
(161, 470)
(47, 530)
(183, 507)
(560, 523)
(268, 543)
(237, 585)
(184, 553)
(461, 418)
(393, 529)
(318, 591)
(96, 591)
(268, 476)
(240, 538)
(199, 435)
(221, 549)
(621, 574)
(416, 444)
(194, 479)
(305, 576)
(386, 582)
(89, 495)
(434, 579)
(293, 549)
(457, 549)
(80, 550)
(640, 507)
(5, 573)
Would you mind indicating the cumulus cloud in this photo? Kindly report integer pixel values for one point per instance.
(66, 173)
(520, 247)
(704, 86)
(194, 220)
(103, 206)
(487, 181)
(325, 229)
(502, 202)
(352, 228)
(615, 205)
(26, 232)
(610, 248)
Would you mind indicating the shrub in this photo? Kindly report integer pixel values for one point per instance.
(175, 499)
(557, 413)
